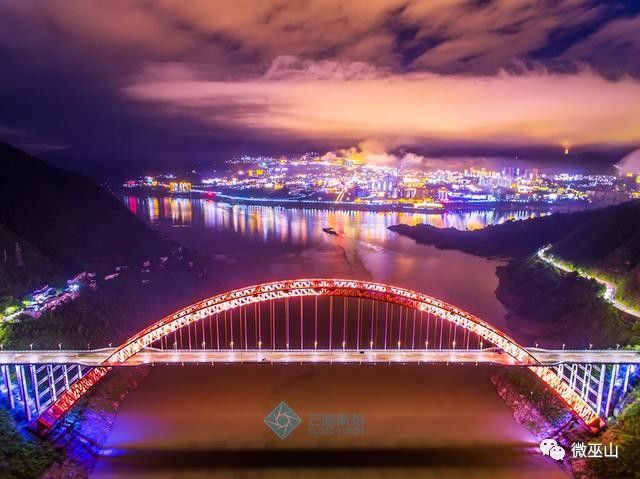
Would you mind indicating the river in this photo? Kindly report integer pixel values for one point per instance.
(418, 421)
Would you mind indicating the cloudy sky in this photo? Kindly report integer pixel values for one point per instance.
(133, 82)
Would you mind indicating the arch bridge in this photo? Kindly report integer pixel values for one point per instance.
(317, 320)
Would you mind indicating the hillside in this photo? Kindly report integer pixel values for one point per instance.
(63, 223)
(37, 268)
(604, 241)
(554, 308)
(583, 237)
(513, 238)
(609, 244)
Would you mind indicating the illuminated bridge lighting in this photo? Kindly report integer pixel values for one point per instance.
(320, 320)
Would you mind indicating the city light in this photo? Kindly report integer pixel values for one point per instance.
(345, 180)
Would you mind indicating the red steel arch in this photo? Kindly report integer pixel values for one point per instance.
(318, 287)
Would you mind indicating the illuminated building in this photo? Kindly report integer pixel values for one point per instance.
(344, 177)
(180, 187)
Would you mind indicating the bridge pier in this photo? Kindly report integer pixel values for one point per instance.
(603, 372)
(626, 379)
(36, 393)
(614, 374)
(65, 373)
(24, 394)
(52, 383)
(601, 386)
(6, 374)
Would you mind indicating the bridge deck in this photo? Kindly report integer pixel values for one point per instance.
(157, 356)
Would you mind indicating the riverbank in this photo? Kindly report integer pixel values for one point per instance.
(23, 455)
(510, 239)
(85, 429)
(554, 308)
(543, 415)
(116, 309)
(98, 317)
(605, 238)
(561, 308)
(624, 302)
(608, 246)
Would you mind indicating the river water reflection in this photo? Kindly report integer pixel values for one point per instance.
(420, 421)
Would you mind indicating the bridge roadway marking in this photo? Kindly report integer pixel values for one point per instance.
(157, 356)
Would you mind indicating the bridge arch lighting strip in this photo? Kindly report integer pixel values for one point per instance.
(309, 288)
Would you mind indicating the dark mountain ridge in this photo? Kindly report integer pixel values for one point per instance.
(63, 222)
(582, 236)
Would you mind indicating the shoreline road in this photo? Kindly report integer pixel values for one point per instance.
(610, 289)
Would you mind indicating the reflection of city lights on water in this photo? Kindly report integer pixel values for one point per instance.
(132, 204)
(304, 226)
(154, 209)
